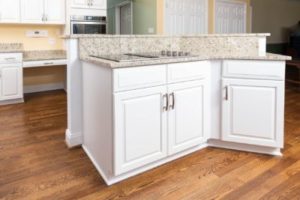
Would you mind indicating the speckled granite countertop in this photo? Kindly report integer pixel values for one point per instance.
(112, 64)
(44, 55)
(11, 48)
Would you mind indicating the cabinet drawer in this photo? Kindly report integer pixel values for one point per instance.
(10, 57)
(188, 71)
(139, 77)
(273, 70)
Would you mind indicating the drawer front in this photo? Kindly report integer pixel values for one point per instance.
(10, 57)
(139, 77)
(273, 70)
(188, 71)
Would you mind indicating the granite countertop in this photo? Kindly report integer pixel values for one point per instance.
(154, 36)
(11, 48)
(44, 55)
(112, 64)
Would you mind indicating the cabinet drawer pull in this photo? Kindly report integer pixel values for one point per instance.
(172, 95)
(226, 93)
(48, 63)
(166, 101)
(11, 58)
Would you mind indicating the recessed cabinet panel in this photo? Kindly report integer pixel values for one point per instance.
(32, 11)
(55, 11)
(11, 82)
(98, 4)
(140, 128)
(187, 115)
(9, 11)
(252, 112)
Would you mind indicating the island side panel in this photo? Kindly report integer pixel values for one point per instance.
(98, 117)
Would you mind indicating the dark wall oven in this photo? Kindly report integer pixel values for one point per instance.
(88, 25)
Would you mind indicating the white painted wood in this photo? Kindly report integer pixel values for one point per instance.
(186, 17)
(80, 3)
(44, 63)
(74, 94)
(55, 11)
(245, 147)
(98, 4)
(140, 128)
(253, 113)
(188, 71)
(262, 46)
(139, 77)
(11, 78)
(11, 57)
(32, 11)
(188, 122)
(273, 70)
(230, 16)
(10, 11)
(98, 115)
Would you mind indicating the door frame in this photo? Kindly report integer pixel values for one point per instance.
(165, 16)
(118, 14)
(231, 1)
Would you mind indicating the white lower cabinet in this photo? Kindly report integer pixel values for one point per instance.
(140, 128)
(11, 82)
(253, 112)
(187, 116)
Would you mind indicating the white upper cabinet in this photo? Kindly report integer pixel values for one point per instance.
(32, 11)
(43, 11)
(253, 112)
(54, 11)
(9, 11)
(188, 119)
(89, 4)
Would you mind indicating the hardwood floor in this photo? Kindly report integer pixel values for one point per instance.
(36, 164)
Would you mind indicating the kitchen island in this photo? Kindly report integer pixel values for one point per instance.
(141, 113)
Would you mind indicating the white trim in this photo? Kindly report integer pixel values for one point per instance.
(13, 101)
(44, 87)
(109, 180)
(117, 16)
(73, 139)
(245, 147)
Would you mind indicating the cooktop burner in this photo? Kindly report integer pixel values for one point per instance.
(130, 57)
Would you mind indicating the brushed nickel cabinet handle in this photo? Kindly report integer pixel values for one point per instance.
(48, 63)
(172, 95)
(226, 93)
(11, 58)
(166, 106)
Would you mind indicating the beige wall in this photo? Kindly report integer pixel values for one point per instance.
(36, 76)
(211, 15)
(275, 17)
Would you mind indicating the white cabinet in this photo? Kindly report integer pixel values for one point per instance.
(188, 115)
(32, 11)
(253, 112)
(9, 11)
(54, 11)
(90, 4)
(140, 128)
(43, 11)
(11, 83)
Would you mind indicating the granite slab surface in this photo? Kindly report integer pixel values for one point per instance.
(11, 48)
(44, 55)
(113, 64)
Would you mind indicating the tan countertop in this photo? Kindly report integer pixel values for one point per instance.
(44, 55)
(11, 48)
(112, 64)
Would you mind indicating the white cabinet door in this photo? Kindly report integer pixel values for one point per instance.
(253, 112)
(80, 3)
(11, 82)
(98, 4)
(140, 128)
(32, 11)
(188, 115)
(54, 11)
(10, 11)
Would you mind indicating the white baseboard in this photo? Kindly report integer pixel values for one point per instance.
(13, 101)
(73, 139)
(44, 87)
(245, 147)
(110, 179)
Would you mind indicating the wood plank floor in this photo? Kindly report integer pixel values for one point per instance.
(36, 164)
